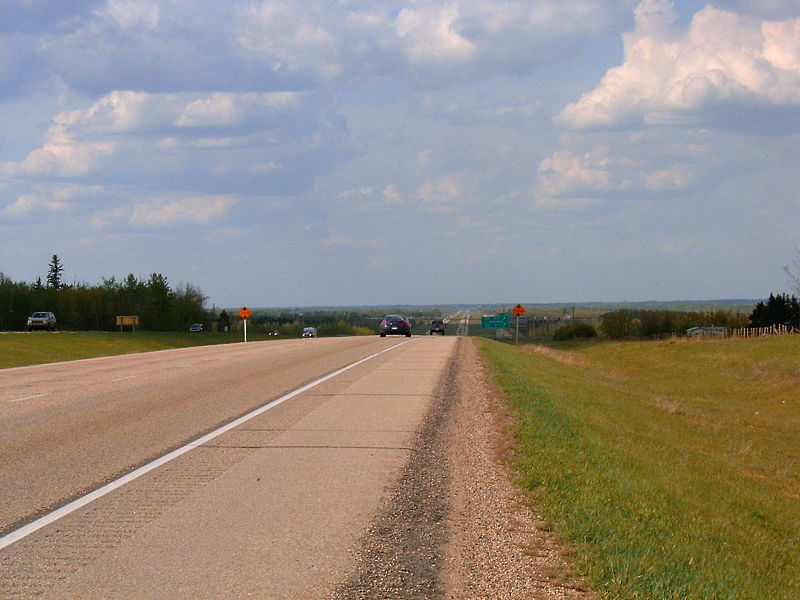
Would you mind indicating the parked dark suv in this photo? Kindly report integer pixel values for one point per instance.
(437, 326)
(42, 320)
(395, 325)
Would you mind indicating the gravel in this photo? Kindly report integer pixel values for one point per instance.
(454, 527)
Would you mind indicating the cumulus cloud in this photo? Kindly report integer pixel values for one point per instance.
(431, 33)
(63, 154)
(721, 59)
(58, 198)
(31, 202)
(570, 179)
(131, 13)
(440, 194)
(432, 41)
(138, 125)
(194, 209)
(291, 37)
(126, 111)
(270, 45)
(566, 172)
(221, 109)
(673, 178)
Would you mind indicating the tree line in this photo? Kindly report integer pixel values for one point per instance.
(779, 309)
(81, 306)
(629, 324)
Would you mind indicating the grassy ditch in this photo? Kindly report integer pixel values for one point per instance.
(672, 469)
(20, 349)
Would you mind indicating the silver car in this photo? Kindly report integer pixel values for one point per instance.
(42, 320)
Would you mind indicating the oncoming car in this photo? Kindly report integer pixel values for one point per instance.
(42, 320)
(395, 325)
(196, 327)
(309, 332)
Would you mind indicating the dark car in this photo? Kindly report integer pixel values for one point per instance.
(395, 325)
(437, 326)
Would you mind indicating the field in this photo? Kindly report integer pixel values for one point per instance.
(19, 349)
(671, 470)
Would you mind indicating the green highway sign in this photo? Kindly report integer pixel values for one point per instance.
(495, 322)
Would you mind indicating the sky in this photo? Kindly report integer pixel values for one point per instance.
(322, 153)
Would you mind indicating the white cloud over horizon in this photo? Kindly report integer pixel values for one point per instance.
(194, 209)
(557, 147)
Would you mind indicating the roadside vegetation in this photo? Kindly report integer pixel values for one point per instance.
(20, 349)
(81, 306)
(333, 322)
(671, 469)
(645, 322)
(577, 331)
(631, 324)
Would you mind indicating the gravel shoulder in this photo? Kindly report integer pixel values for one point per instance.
(455, 527)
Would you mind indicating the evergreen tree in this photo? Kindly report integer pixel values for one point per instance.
(54, 273)
(780, 309)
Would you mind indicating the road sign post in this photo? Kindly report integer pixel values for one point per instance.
(518, 311)
(245, 314)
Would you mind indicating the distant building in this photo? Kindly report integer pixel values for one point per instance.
(707, 331)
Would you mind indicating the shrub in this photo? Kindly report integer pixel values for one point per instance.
(575, 331)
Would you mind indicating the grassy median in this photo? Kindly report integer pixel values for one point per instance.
(672, 469)
(20, 349)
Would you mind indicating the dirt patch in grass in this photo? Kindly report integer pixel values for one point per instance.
(567, 358)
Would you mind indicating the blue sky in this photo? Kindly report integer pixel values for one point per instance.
(279, 153)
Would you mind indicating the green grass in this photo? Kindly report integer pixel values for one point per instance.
(20, 349)
(671, 468)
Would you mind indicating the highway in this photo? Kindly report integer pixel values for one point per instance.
(271, 506)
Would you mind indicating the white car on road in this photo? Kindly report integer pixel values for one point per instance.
(42, 320)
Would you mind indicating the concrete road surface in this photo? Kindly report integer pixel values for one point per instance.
(272, 508)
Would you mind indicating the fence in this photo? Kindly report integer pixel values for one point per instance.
(748, 332)
(730, 333)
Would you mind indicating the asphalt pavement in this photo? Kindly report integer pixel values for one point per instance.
(271, 507)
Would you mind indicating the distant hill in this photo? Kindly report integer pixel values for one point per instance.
(595, 308)
(736, 305)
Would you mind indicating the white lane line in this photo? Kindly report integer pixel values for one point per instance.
(26, 530)
(123, 378)
(31, 397)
